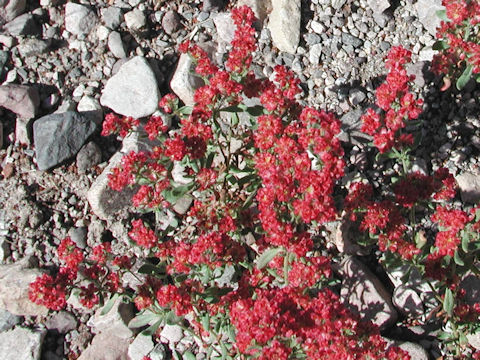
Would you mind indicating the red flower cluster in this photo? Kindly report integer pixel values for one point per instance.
(114, 124)
(460, 37)
(452, 222)
(396, 101)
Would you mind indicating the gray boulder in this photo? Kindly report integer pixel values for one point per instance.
(21, 344)
(284, 24)
(58, 137)
(23, 100)
(79, 19)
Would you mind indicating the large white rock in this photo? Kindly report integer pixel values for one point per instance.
(426, 10)
(106, 346)
(15, 280)
(79, 19)
(115, 321)
(364, 294)
(21, 344)
(284, 24)
(183, 83)
(133, 90)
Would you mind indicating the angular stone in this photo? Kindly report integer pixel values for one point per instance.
(407, 301)
(88, 156)
(225, 30)
(8, 320)
(261, 8)
(112, 17)
(140, 347)
(115, 321)
(58, 137)
(21, 344)
(426, 10)
(183, 83)
(351, 128)
(23, 25)
(106, 346)
(10, 9)
(133, 90)
(378, 6)
(364, 294)
(284, 24)
(23, 100)
(135, 20)
(79, 19)
(115, 45)
(91, 108)
(171, 22)
(469, 185)
(62, 322)
(172, 333)
(15, 280)
(104, 201)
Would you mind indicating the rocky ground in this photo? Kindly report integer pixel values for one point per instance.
(63, 64)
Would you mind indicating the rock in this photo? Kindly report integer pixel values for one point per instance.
(407, 301)
(79, 235)
(21, 344)
(172, 333)
(140, 347)
(315, 53)
(115, 45)
(115, 321)
(474, 340)
(63, 322)
(10, 9)
(171, 22)
(15, 280)
(338, 4)
(365, 295)
(88, 156)
(183, 83)
(29, 47)
(345, 234)
(8, 320)
(133, 90)
(471, 285)
(212, 5)
(356, 96)
(415, 351)
(112, 17)
(284, 24)
(79, 19)
(23, 100)
(425, 9)
(378, 6)
(91, 108)
(261, 8)
(58, 137)
(349, 39)
(469, 185)
(183, 204)
(106, 346)
(225, 30)
(351, 128)
(23, 131)
(4, 55)
(23, 25)
(135, 20)
(416, 70)
(104, 201)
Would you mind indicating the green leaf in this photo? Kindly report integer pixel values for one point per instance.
(440, 45)
(256, 110)
(465, 77)
(152, 328)
(150, 269)
(465, 242)
(235, 119)
(206, 322)
(143, 320)
(234, 108)
(458, 260)
(442, 14)
(108, 306)
(448, 302)
(172, 319)
(185, 110)
(173, 195)
(267, 256)
(187, 355)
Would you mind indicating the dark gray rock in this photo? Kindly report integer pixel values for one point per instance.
(351, 125)
(210, 5)
(171, 22)
(23, 25)
(4, 55)
(58, 137)
(88, 156)
(349, 39)
(29, 47)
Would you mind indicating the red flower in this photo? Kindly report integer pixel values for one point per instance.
(142, 235)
